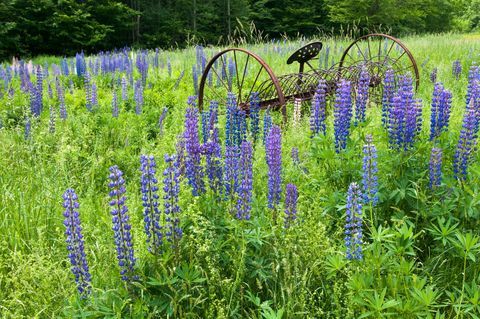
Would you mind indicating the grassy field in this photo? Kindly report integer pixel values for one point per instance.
(421, 246)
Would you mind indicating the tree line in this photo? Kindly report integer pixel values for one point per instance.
(63, 27)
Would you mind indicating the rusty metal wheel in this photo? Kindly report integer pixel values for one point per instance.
(241, 72)
(378, 52)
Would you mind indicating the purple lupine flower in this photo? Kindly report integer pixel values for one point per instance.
(387, 96)
(274, 161)
(195, 79)
(39, 91)
(404, 123)
(473, 77)
(231, 73)
(433, 75)
(362, 96)
(61, 99)
(353, 223)
(52, 120)
(80, 64)
(169, 67)
(171, 190)
(115, 110)
(343, 115)
(28, 127)
(121, 225)
(254, 116)
(138, 92)
(161, 119)
(231, 182)
(466, 144)
(88, 90)
(64, 66)
(193, 167)
(291, 198)
(457, 68)
(435, 168)
(142, 66)
(230, 119)
(50, 92)
(440, 115)
(213, 154)
(75, 242)
(213, 120)
(267, 125)
(245, 187)
(318, 111)
(151, 213)
(370, 172)
(205, 121)
(124, 85)
(94, 97)
(294, 155)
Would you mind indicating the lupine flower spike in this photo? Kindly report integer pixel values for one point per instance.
(370, 172)
(170, 199)
(151, 213)
(274, 162)
(291, 198)
(354, 223)
(435, 168)
(244, 200)
(121, 225)
(75, 242)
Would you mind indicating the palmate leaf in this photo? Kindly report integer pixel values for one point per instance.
(376, 304)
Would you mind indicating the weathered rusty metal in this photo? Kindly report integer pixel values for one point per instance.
(274, 92)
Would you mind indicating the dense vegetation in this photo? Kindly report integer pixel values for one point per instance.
(72, 124)
(63, 27)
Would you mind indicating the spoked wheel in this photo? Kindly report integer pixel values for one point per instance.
(241, 72)
(378, 53)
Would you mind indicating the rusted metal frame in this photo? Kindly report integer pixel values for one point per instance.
(244, 72)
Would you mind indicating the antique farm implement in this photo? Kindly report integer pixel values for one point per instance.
(243, 72)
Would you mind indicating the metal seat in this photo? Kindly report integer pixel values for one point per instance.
(305, 53)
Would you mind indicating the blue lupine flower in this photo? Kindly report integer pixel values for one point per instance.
(231, 73)
(180, 155)
(50, 92)
(245, 187)
(370, 172)
(121, 225)
(75, 242)
(254, 116)
(387, 96)
(473, 77)
(52, 120)
(274, 161)
(115, 110)
(440, 115)
(213, 121)
(294, 154)
(291, 198)
(80, 64)
(171, 190)
(433, 75)
(362, 96)
(343, 115)
(88, 90)
(353, 223)
(151, 213)
(404, 123)
(94, 97)
(231, 182)
(457, 68)
(195, 79)
(138, 92)
(230, 119)
(466, 144)
(435, 168)
(64, 66)
(205, 120)
(161, 119)
(267, 125)
(28, 127)
(193, 167)
(318, 111)
(142, 66)
(213, 154)
(124, 85)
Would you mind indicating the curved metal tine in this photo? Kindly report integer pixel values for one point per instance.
(388, 53)
(361, 51)
(218, 95)
(220, 78)
(239, 97)
(243, 76)
(255, 82)
(229, 81)
(401, 55)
